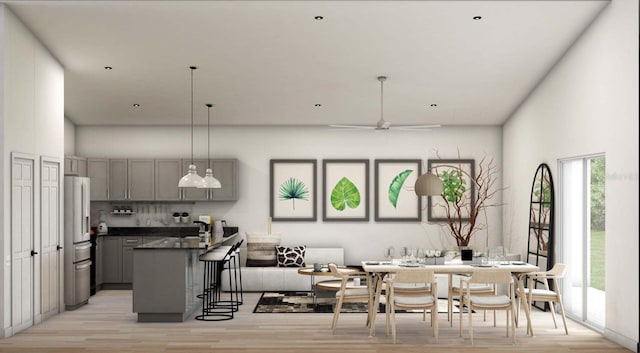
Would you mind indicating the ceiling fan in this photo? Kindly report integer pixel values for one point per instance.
(383, 124)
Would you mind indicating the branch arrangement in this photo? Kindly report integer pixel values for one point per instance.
(458, 204)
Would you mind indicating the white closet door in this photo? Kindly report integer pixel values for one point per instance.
(22, 237)
(50, 193)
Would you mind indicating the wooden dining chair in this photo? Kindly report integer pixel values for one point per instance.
(476, 288)
(504, 302)
(346, 294)
(418, 292)
(545, 294)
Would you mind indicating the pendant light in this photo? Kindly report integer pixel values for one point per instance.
(209, 182)
(191, 179)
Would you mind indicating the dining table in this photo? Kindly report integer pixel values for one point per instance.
(377, 271)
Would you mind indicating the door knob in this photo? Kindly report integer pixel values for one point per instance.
(33, 252)
(58, 247)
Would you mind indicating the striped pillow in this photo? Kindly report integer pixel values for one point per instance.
(261, 249)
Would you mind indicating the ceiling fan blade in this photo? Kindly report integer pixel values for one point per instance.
(416, 127)
(352, 126)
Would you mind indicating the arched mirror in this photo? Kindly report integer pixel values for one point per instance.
(540, 249)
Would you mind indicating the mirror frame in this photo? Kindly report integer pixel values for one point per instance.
(540, 246)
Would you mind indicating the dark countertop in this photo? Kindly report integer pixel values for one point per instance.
(189, 242)
(153, 231)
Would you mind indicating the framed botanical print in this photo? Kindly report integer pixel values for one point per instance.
(395, 197)
(293, 189)
(345, 193)
(457, 188)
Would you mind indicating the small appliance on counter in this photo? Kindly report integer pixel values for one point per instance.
(102, 226)
(205, 225)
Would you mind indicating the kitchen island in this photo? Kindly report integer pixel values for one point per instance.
(167, 277)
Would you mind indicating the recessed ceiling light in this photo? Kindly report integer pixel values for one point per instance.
(434, 105)
(136, 105)
(108, 68)
(319, 18)
(318, 105)
(477, 18)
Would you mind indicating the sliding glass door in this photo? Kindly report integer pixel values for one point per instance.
(582, 237)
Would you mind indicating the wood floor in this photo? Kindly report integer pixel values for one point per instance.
(108, 325)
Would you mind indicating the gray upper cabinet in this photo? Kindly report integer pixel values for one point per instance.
(118, 174)
(141, 179)
(98, 173)
(194, 194)
(226, 171)
(168, 174)
(157, 179)
(74, 165)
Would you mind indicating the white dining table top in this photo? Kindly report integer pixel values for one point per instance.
(449, 267)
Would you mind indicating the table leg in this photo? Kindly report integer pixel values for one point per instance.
(525, 302)
(373, 308)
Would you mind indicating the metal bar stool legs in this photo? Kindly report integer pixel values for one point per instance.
(213, 308)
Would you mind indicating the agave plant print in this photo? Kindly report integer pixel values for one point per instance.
(293, 189)
(345, 190)
(395, 198)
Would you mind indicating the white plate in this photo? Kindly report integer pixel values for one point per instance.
(409, 265)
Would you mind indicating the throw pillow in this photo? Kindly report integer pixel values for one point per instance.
(291, 257)
(261, 249)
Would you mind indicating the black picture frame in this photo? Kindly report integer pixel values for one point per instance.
(291, 180)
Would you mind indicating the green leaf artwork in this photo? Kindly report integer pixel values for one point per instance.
(293, 189)
(396, 186)
(453, 185)
(345, 194)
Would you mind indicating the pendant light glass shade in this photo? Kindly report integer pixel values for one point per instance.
(428, 184)
(209, 182)
(191, 179)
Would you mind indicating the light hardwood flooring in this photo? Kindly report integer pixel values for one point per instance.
(107, 324)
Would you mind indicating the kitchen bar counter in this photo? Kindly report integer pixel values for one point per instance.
(167, 280)
(189, 242)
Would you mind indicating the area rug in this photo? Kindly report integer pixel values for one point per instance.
(302, 302)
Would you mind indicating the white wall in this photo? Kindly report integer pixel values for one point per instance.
(255, 146)
(69, 137)
(32, 122)
(588, 104)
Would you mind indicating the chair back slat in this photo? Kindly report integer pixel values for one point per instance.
(491, 276)
(414, 276)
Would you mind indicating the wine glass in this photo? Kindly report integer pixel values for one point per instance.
(404, 252)
(388, 253)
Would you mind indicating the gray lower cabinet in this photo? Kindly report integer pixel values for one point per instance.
(128, 243)
(167, 175)
(99, 261)
(98, 173)
(112, 259)
(116, 262)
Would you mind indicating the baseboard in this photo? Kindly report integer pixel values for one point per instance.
(624, 341)
(7, 332)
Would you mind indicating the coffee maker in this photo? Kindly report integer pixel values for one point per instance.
(205, 224)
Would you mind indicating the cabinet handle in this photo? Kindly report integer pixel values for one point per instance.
(58, 247)
(33, 253)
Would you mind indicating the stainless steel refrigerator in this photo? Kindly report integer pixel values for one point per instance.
(77, 265)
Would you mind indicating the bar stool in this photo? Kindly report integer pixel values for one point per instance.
(213, 307)
(237, 273)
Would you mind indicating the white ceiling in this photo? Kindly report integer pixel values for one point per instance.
(270, 62)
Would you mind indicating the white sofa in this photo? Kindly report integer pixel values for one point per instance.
(258, 279)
